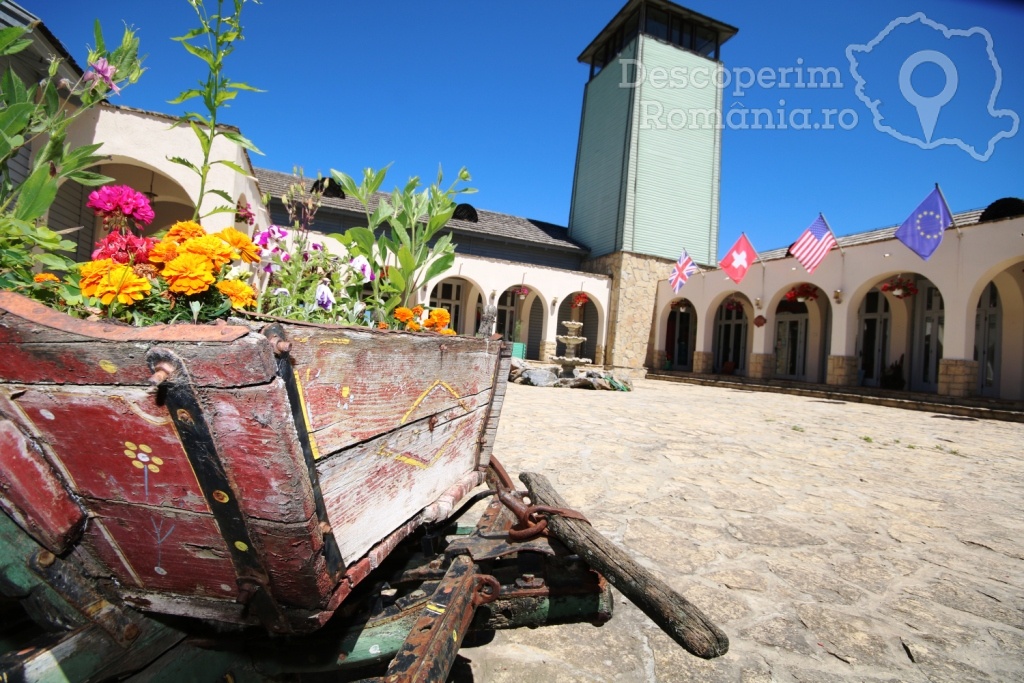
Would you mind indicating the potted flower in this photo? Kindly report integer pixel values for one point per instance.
(802, 292)
(580, 300)
(900, 287)
(521, 291)
(732, 304)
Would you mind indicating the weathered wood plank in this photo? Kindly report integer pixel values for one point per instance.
(259, 449)
(297, 569)
(490, 432)
(679, 618)
(112, 443)
(31, 493)
(358, 383)
(246, 361)
(161, 549)
(373, 488)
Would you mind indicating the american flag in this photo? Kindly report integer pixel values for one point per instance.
(814, 244)
(681, 272)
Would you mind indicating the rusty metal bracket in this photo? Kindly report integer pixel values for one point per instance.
(531, 523)
(186, 412)
(429, 650)
(276, 336)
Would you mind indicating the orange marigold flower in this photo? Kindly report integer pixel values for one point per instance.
(382, 325)
(239, 241)
(122, 283)
(429, 323)
(211, 247)
(45, 277)
(446, 331)
(240, 293)
(163, 251)
(189, 274)
(417, 311)
(403, 314)
(93, 273)
(441, 317)
(413, 326)
(184, 230)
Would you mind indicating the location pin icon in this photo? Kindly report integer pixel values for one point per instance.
(928, 107)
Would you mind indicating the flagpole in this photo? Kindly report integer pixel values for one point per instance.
(951, 218)
(825, 221)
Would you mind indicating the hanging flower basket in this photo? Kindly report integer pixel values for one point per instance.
(733, 305)
(521, 291)
(900, 287)
(580, 300)
(802, 292)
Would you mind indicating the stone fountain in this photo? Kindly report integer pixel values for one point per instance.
(569, 361)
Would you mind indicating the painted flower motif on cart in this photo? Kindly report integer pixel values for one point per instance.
(142, 458)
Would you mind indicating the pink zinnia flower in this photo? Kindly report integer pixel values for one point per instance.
(123, 248)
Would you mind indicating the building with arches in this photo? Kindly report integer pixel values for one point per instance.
(873, 314)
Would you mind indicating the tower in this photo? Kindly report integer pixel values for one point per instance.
(648, 161)
(647, 165)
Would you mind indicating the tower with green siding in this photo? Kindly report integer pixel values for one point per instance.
(648, 161)
(649, 155)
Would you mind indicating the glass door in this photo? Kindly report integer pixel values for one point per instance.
(928, 334)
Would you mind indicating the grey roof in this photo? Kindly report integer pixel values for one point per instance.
(962, 219)
(501, 226)
(13, 14)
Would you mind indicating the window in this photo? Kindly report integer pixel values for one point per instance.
(705, 42)
(657, 23)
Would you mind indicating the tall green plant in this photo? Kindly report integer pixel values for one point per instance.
(212, 42)
(401, 235)
(42, 113)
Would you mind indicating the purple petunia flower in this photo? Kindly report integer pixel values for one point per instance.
(324, 297)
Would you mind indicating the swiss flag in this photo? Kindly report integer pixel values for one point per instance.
(739, 259)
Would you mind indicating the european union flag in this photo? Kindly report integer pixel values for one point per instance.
(922, 232)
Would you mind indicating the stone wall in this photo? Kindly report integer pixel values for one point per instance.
(547, 351)
(842, 371)
(958, 377)
(703, 362)
(761, 366)
(631, 306)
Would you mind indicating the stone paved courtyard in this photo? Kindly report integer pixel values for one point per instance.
(830, 541)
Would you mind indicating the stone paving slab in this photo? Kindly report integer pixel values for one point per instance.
(831, 541)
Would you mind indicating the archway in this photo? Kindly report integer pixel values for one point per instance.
(731, 336)
(680, 336)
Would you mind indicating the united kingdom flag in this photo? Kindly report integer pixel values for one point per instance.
(681, 272)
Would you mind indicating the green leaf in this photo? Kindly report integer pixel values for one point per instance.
(97, 34)
(36, 195)
(439, 266)
(222, 194)
(185, 95)
(15, 118)
(201, 52)
(9, 39)
(242, 86)
(240, 140)
(204, 139)
(406, 260)
(88, 178)
(233, 166)
(54, 261)
(183, 162)
(397, 279)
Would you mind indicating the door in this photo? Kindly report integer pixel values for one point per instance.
(685, 337)
(791, 346)
(873, 339)
(987, 334)
(928, 333)
(730, 340)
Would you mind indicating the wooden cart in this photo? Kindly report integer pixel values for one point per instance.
(158, 480)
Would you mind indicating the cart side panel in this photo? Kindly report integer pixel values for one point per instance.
(358, 384)
(373, 488)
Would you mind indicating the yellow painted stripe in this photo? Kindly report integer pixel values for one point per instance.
(305, 418)
(435, 608)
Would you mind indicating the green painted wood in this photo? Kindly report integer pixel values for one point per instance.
(677, 158)
(599, 187)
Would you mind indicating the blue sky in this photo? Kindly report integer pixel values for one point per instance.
(496, 87)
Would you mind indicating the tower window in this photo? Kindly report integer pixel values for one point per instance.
(657, 23)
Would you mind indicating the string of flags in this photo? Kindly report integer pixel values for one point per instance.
(921, 233)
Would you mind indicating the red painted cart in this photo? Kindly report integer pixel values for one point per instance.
(254, 475)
